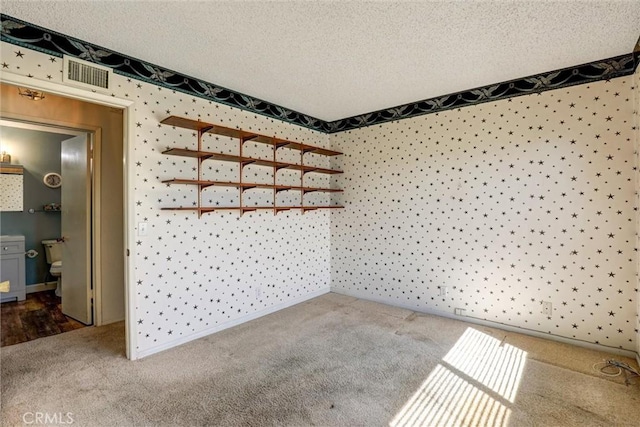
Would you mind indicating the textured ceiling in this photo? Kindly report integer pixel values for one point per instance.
(333, 60)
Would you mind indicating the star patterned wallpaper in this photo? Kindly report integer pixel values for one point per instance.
(193, 276)
(636, 84)
(502, 206)
(11, 192)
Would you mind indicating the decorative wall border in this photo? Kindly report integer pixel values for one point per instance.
(31, 36)
(605, 69)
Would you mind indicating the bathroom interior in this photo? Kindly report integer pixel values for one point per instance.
(31, 184)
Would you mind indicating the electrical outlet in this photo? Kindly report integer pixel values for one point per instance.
(258, 292)
(460, 311)
(444, 290)
(547, 308)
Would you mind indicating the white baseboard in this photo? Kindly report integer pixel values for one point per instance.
(628, 353)
(227, 325)
(39, 287)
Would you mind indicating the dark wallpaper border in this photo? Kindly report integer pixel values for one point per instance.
(31, 36)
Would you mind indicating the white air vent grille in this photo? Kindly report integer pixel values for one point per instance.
(89, 75)
(86, 74)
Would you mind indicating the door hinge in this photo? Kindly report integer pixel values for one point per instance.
(127, 252)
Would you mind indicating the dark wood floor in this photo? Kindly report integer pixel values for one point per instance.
(40, 315)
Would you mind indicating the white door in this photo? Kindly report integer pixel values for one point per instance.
(76, 228)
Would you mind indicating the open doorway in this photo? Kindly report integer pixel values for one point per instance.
(93, 235)
(34, 306)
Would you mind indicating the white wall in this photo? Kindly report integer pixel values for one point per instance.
(507, 204)
(194, 276)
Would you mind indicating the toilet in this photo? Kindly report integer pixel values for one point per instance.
(53, 252)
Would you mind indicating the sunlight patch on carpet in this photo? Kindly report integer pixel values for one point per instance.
(474, 385)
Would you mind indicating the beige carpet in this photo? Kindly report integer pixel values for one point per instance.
(335, 360)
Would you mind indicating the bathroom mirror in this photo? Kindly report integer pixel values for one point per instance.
(11, 188)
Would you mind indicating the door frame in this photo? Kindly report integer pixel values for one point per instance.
(128, 178)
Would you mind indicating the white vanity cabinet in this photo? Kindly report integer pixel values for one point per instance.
(12, 267)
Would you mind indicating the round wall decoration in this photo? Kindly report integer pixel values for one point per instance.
(52, 180)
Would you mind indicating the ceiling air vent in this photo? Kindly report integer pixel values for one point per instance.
(86, 74)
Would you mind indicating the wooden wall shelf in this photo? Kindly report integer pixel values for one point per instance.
(11, 169)
(250, 208)
(204, 127)
(243, 137)
(249, 185)
(204, 155)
